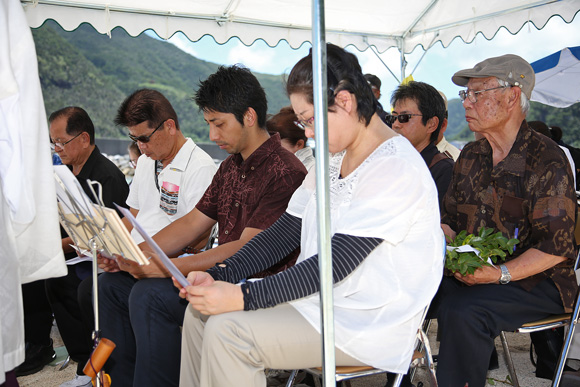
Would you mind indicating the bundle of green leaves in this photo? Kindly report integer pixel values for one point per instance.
(488, 245)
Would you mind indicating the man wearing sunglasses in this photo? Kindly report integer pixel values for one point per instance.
(418, 114)
(518, 182)
(173, 172)
(72, 136)
(249, 192)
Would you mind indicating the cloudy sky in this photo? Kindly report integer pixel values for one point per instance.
(436, 67)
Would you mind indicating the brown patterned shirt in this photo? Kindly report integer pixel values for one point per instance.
(253, 193)
(530, 190)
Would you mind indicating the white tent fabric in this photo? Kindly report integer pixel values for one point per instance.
(558, 78)
(380, 23)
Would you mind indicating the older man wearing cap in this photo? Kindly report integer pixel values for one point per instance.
(517, 182)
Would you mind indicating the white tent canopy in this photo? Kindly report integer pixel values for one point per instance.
(379, 23)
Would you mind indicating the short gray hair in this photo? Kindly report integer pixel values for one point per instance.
(524, 102)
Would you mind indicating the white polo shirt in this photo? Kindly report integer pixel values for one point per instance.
(179, 187)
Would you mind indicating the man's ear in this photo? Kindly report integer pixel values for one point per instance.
(514, 97)
(432, 124)
(86, 139)
(250, 117)
(171, 125)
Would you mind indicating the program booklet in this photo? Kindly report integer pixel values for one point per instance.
(86, 222)
(164, 258)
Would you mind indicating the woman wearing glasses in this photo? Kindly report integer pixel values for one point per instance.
(386, 245)
(292, 135)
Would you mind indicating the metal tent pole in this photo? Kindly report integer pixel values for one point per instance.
(322, 194)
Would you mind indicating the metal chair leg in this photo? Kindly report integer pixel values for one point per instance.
(564, 354)
(63, 364)
(429, 359)
(397, 381)
(509, 361)
(292, 378)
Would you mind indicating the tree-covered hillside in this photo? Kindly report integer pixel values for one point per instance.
(96, 72)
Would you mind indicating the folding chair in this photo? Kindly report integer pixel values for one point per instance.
(551, 322)
(419, 358)
(211, 240)
(352, 372)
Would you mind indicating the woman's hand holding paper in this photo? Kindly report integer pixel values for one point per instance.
(210, 296)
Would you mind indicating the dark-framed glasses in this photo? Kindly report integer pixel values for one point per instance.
(472, 94)
(403, 118)
(145, 139)
(54, 145)
(303, 124)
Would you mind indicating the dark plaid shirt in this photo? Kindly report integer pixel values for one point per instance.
(531, 190)
(253, 193)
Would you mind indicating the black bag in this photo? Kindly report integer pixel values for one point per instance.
(547, 345)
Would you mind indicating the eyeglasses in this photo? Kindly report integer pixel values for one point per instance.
(472, 94)
(54, 145)
(303, 124)
(403, 118)
(145, 139)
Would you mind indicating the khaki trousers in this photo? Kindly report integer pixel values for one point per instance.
(233, 349)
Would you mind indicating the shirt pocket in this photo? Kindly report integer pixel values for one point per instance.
(169, 198)
(512, 215)
(169, 191)
(512, 207)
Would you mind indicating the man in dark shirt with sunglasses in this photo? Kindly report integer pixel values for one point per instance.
(418, 114)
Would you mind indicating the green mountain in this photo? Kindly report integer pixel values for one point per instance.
(568, 119)
(91, 70)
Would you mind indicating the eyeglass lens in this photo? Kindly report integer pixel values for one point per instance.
(303, 124)
(403, 118)
(54, 145)
(145, 139)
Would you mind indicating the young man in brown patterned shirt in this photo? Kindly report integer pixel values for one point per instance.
(249, 192)
(516, 182)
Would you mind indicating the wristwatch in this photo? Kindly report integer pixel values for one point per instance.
(505, 275)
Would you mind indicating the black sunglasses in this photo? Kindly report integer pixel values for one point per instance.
(145, 139)
(403, 118)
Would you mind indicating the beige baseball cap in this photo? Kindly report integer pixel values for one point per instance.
(510, 68)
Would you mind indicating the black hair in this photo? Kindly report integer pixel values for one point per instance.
(541, 127)
(145, 105)
(428, 100)
(343, 73)
(78, 121)
(283, 123)
(134, 147)
(556, 133)
(234, 90)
